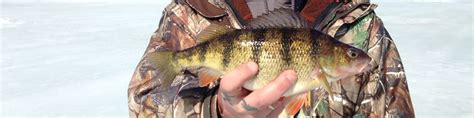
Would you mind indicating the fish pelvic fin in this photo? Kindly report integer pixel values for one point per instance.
(296, 103)
(161, 61)
(208, 75)
(212, 32)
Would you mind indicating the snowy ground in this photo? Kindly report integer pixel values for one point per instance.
(76, 59)
(435, 42)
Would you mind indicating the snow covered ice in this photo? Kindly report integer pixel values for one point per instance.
(72, 59)
(75, 59)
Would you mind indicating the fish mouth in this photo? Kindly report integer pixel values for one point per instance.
(366, 64)
(365, 68)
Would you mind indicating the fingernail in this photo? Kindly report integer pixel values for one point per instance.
(291, 75)
(252, 66)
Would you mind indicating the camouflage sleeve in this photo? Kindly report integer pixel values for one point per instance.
(178, 25)
(387, 91)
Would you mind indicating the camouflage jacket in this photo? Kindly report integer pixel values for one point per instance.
(382, 92)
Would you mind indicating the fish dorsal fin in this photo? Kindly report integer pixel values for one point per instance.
(279, 18)
(211, 32)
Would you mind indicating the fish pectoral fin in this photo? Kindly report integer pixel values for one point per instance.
(322, 78)
(326, 86)
(308, 103)
(296, 104)
(207, 75)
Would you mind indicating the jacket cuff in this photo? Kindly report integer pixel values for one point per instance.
(211, 108)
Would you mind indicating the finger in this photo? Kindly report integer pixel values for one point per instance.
(262, 98)
(279, 106)
(232, 82)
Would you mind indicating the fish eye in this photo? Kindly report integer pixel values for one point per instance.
(352, 53)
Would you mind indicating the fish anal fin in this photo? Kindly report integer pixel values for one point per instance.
(295, 104)
(207, 76)
(211, 32)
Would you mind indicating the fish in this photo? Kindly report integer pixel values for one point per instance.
(275, 45)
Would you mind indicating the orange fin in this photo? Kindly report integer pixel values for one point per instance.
(207, 76)
(295, 104)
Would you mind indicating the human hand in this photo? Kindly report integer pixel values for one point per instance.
(235, 101)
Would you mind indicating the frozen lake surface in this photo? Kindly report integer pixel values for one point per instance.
(76, 59)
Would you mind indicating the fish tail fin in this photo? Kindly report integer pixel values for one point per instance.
(162, 61)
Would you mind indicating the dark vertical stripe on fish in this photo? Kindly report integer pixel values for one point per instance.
(286, 43)
(257, 44)
(174, 57)
(188, 53)
(203, 50)
(314, 43)
(228, 46)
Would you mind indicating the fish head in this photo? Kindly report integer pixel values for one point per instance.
(342, 60)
